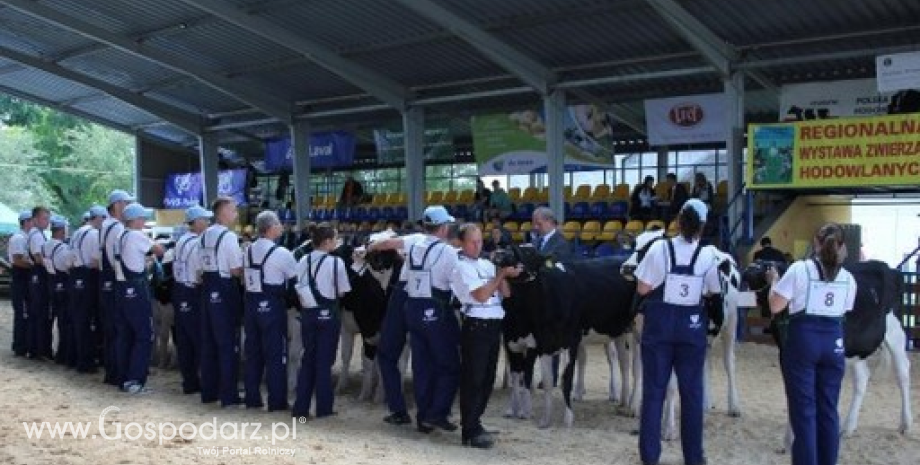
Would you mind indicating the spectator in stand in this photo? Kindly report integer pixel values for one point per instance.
(677, 195)
(768, 252)
(643, 200)
(500, 202)
(481, 201)
(352, 193)
(497, 237)
(702, 189)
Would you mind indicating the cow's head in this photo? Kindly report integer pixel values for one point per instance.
(755, 275)
(643, 242)
(525, 255)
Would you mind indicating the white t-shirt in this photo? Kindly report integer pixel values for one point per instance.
(278, 268)
(440, 262)
(229, 255)
(794, 286)
(109, 233)
(36, 240)
(58, 253)
(85, 246)
(654, 268)
(134, 246)
(326, 279)
(185, 261)
(18, 246)
(469, 275)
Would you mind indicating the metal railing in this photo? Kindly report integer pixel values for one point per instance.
(910, 298)
(745, 220)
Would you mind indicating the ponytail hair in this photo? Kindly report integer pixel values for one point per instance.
(689, 224)
(828, 241)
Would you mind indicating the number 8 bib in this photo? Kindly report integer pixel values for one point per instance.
(826, 299)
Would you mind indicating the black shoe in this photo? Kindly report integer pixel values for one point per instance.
(279, 408)
(191, 391)
(480, 441)
(258, 406)
(398, 418)
(442, 424)
(327, 415)
(424, 428)
(702, 462)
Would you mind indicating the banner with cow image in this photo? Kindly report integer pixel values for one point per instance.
(184, 190)
(335, 149)
(515, 143)
(691, 119)
(832, 99)
(391, 147)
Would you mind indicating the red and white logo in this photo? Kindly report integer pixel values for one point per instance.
(686, 115)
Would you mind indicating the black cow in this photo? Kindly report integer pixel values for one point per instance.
(552, 305)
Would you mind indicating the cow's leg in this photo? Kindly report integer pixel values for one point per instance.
(567, 374)
(513, 402)
(546, 373)
(367, 378)
(613, 388)
(729, 337)
(860, 382)
(295, 350)
(670, 409)
(896, 344)
(635, 398)
(526, 395)
(623, 353)
(582, 358)
(347, 341)
(788, 438)
(163, 331)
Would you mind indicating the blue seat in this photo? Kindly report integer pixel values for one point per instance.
(402, 213)
(342, 214)
(373, 214)
(598, 211)
(388, 213)
(579, 211)
(604, 250)
(584, 251)
(359, 214)
(524, 211)
(567, 210)
(324, 215)
(460, 211)
(617, 211)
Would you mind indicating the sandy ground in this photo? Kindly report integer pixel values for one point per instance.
(42, 392)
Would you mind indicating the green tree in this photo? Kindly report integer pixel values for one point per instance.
(20, 165)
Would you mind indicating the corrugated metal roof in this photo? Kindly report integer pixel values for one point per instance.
(301, 82)
(27, 34)
(194, 96)
(120, 68)
(117, 110)
(45, 85)
(444, 60)
(126, 17)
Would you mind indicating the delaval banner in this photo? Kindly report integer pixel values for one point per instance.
(327, 150)
(182, 190)
(692, 119)
(232, 183)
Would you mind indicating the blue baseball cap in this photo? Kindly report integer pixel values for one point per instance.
(98, 212)
(58, 222)
(134, 211)
(437, 215)
(87, 216)
(701, 209)
(120, 196)
(25, 215)
(195, 212)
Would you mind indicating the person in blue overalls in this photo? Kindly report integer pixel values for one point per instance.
(110, 313)
(39, 318)
(221, 261)
(321, 280)
(676, 275)
(57, 256)
(267, 271)
(132, 251)
(393, 332)
(21, 262)
(432, 324)
(84, 289)
(187, 297)
(818, 292)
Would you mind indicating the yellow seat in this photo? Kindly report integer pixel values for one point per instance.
(566, 192)
(571, 230)
(436, 198)
(582, 193)
(518, 235)
(673, 229)
(514, 194)
(663, 190)
(330, 201)
(543, 196)
(634, 227)
(601, 193)
(654, 223)
(722, 188)
(610, 231)
(511, 226)
(530, 194)
(621, 192)
(590, 231)
(379, 226)
(466, 196)
(379, 200)
(450, 198)
(393, 199)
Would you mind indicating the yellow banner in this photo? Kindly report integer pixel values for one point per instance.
(850, 152)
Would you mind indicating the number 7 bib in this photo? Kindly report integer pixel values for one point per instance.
(418, 285)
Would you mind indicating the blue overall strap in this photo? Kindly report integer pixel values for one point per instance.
(29, 241)
(53, 252)
(259, 266)
(77, 240)
(413, 266)
(185, 244)
(105, 240)
(121, 249)
(692, 264)
(820, 270)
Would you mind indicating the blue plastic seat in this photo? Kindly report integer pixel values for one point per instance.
(579, 211)
(598, 211)
(373, 214)
(604, 250)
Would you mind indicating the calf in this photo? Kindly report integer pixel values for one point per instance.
(161, 285)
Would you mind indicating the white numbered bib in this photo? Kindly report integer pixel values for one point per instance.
(208, 259)
(180, 271)
(253, 280)
(683, 290)
(305, 295)
(418, 286)
(77, 259)
(49, 265)
(826, 299)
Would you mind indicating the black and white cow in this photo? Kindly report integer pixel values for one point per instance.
(871, 328)
(551, 306)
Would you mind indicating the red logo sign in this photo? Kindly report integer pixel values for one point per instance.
(686, 115)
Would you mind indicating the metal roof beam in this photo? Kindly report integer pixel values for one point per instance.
(180, 119)
(267, 103)
(530, 71)
(714, 49)
(70, 110)
(382, 87)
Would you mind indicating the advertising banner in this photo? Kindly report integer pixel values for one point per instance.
(900, 71)
(832, 99)
(334, 149)
(852, 152)
(186, 189)
(232, 183)
(439, 144)
(690, 119)
(516, 143)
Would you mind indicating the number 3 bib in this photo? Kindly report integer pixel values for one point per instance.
(683, 290)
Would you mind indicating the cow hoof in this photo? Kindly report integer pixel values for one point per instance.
(523, 416)
(669, 435)
(578, 397)
(569, 418)
(509, 414)
(734, 413)
(544, 423)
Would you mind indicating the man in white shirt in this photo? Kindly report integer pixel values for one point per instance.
(21, 261)
(267, 268)
(133, 248)
(39, 304)
(480, 290)
(84, 290)
(187, 297)
(57, 256)
(110, 311)
(221, 260)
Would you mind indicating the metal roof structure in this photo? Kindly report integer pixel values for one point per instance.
(172, 69)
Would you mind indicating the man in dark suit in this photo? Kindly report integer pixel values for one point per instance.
(769, 253)
(677, 196)
(548, 239)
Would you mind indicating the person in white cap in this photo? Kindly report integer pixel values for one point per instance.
(84, 290)
(221, 261)
(680, 277)
(58, 258)
(39, 317)
(132, 250)
(187, 297)
(110, 312)
(22, 263)
(432, 324)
